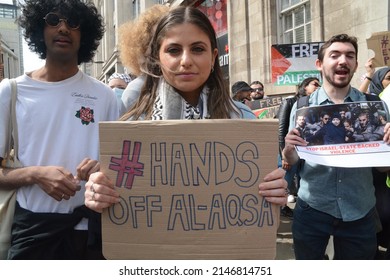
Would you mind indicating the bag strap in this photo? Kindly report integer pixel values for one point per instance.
(303, 101)
(371, 97)
(14, 125)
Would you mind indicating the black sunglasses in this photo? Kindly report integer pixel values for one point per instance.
(54, 20)
(316, 84)
(258, 89)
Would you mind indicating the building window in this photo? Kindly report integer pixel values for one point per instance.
(295, 21)
(136, 8)
(7, 11)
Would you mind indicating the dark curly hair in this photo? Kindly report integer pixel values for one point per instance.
(91, 24)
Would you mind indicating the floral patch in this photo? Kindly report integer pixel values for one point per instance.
(85, 115)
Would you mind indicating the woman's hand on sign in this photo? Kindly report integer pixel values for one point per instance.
(100, 192)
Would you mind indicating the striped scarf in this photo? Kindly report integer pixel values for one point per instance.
(171, 105)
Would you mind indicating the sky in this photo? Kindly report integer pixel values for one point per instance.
(31, 60)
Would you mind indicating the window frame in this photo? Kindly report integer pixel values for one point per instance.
(292, 11)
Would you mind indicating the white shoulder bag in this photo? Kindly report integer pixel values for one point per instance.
(8, 197)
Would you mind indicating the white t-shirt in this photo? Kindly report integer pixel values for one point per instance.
(58, 124)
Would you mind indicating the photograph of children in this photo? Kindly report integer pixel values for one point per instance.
(342, 123)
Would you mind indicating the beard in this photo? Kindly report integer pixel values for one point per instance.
(258, 96)
(338, 84)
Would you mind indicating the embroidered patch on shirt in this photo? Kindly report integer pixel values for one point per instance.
(85, 115)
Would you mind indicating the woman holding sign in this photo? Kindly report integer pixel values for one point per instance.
(183, 81)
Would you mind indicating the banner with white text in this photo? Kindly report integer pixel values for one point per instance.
(292, 63)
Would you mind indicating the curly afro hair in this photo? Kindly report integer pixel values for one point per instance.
(135, 36)
(91, 24)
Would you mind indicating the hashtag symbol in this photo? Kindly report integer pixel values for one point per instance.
(384, 41)
(124, 165)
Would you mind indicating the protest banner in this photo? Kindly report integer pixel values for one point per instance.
(380, 44)
(266, 113)
(344, 135)
(292, 63)
(189, 189)
(265, 103)
(265, 108)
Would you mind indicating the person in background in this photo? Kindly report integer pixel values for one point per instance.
(241, 92)
(334, 200)
(118, 82)
(364, 129)
(315, 127)
(367, 78)
(378, 82)
(332, 133)
(184, 42)
(306, 87)
(134, 39)
(257, 90)
(58, 111)
(375, 81)
(349, 130)
(301, 126)
(345, 113)
(380, 127)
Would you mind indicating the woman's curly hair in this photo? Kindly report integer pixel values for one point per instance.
(91, 24)
(135, 36)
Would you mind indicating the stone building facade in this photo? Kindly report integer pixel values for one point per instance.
(252, 27)
(11, 50)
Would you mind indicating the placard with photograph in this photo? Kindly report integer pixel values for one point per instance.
(344, 135)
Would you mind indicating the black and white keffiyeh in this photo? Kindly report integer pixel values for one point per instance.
(171, 105)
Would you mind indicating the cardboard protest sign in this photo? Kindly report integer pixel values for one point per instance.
(380, 44)
(265, 103)
(266, 108)
(344, 135)
(189, 189)
(266, 113)
(292, 63)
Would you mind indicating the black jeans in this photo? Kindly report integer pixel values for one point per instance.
(312, 228)
(51, 236)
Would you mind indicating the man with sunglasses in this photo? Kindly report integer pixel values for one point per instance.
(58, 110)
(257, 90)
(315, 127)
